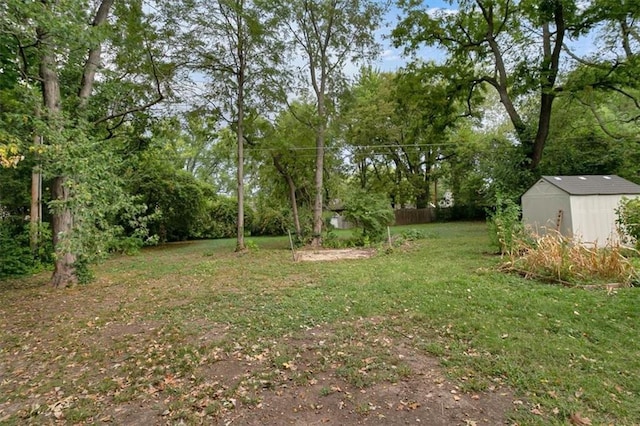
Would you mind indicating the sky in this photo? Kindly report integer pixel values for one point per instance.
(392, 58)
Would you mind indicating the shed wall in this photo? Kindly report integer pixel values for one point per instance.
(594, 218)
(540, 207)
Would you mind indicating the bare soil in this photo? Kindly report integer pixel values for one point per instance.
(425, 396)
(310, 255)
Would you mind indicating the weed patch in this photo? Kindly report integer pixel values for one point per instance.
(558, 258)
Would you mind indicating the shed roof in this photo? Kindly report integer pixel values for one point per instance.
(593, 185)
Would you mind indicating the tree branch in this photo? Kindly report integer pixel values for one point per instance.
(139, 108)
(93, 60)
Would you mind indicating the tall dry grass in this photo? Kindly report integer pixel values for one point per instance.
(555, 257)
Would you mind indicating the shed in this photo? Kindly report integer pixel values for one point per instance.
(580, 207)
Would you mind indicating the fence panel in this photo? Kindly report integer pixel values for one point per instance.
(414, 216)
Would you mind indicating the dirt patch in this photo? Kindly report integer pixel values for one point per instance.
(423, 395)
(337, 254)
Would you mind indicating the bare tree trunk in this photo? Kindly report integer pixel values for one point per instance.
(240, 238)
(319, 176)
(35, 213)
(240, 132)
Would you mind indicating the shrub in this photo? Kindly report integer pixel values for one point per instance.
(371, 214)
(271, 221)
(505, 226)
(222, 218)
(628, 220)
(413, 234)
(16, 257)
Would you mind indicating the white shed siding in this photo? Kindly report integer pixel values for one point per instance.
(594, 218)
(588, 204)
(540, 207)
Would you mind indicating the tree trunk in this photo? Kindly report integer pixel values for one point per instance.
(62, 221)
(62, 218)
(292, 194)
(240, 132)
(422, 200)
(64, 273)
(318, 203)
(35, 213)
(240, 237)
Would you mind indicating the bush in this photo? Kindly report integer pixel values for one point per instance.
(413, 234)
(271, 221)
(16, 257)
(628, 220)
(505, 226)
(370, 214)
(222, 218)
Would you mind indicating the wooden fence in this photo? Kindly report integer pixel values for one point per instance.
(414, 216)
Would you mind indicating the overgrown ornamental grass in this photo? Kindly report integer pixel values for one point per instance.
(563, 350)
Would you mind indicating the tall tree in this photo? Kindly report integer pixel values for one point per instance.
(62, 216)
(60, 46)
(328, 35)
(513, 46)
(612, 70)
(237, 48)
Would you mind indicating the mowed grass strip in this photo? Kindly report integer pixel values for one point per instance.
(151, 324)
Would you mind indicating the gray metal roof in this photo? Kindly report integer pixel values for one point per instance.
(593, 184)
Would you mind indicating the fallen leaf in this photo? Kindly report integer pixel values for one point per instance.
(577, 420)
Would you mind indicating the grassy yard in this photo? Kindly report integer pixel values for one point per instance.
(155, 327)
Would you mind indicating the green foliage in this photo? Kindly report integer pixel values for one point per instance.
(271, 221)
(16, 258)
(222, 217)
(103, 212)
(504, 225)
(178, 200)
(398, 126)
(413, 234)
(370, 213)
(628, 220)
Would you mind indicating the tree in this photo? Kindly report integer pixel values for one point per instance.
(238, 50)
(399, 123)
(60, 46)
(589, 136)
(328, 34)
(515, 47)
(287, 151)
(611, 72)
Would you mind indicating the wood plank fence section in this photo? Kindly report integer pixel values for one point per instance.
(414, 216)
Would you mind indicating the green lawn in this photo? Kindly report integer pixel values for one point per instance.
(561, 350)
